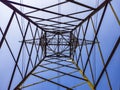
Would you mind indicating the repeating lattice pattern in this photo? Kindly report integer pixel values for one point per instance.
(66, 44)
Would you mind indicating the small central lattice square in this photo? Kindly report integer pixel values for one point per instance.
(58, 44)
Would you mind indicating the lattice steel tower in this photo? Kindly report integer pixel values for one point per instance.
(59, 44)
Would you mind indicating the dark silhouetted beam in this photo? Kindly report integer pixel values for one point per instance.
(108, 61)
(19, 12)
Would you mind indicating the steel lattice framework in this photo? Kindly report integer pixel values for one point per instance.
(58, 44)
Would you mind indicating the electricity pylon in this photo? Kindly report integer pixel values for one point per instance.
(65, 49)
